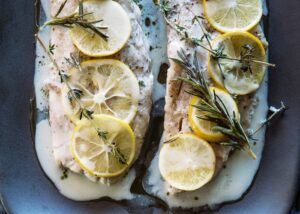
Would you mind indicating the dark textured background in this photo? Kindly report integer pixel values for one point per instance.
(24, 188)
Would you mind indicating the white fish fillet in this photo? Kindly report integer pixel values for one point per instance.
(177, 100)
(135, 54)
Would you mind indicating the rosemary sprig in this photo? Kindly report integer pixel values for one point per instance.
(74, 96)
(78, 19)
(246, 57)
(214, 108)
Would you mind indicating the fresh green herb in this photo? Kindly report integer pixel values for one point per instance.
(102, 134)
(164, 6)
(246, 58)
(141, 83)
(219, 52)
(63, 75)
(51, 48)
(76, 94)
(64, 173)
(117, 153)
(78, 19)
(214, 108)
(84, 112)
(233, 144)
(74, 62)
(113, 147)
(179, 27)
(196, 19)
(275, 112)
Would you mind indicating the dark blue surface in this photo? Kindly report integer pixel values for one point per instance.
(25, 189)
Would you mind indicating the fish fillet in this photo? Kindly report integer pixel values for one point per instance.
(177, 100)
(135, 54)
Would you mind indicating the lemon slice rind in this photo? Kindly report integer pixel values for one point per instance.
(108, 86)
(231, 15)
(187, 162)
(118, 29)
(203, 128)
(236, 81)
(93, 154)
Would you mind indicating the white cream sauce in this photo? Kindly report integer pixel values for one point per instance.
(230, 184)
(76, 186)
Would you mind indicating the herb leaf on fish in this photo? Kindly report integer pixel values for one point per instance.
(246, 58)
(77, 92)
(51, 48)
(113, 147)
(164, 6)
(78, 19)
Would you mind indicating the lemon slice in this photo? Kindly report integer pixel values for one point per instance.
(187, 162)
(105, 86)
(94, 154)
(232, 74)
(233, 15)
(204, 128)
(118, 29)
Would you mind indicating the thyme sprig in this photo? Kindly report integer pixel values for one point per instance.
(115, 150)
(77, 92)
(51, 47)
(113, 147)
(211, 104)
(78, 19)
(74, 62)
(246, 58)
(74, 96)
(275, 112)
(164, 6)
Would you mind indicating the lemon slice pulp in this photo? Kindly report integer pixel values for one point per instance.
(187, 162)
(94, 154)
(113, 17)
(204, 128)
(105, 86)
(231, 74)
(233, 15)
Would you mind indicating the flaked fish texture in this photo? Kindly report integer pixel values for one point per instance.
(227, 184)
(135, 54)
